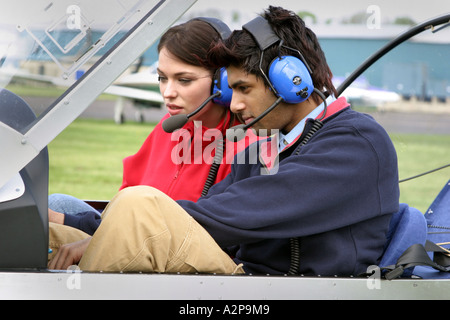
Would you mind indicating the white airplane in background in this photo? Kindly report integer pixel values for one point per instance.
(361, 93)
(141, 88)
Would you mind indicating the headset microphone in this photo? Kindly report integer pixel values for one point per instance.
(178, 121)
(237, 133)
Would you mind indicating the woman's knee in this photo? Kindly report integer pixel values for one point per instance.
(56, 201)
(68, 204)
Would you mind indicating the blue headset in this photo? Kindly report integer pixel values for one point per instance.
(220, 79)
(220, 84)
(289, 76)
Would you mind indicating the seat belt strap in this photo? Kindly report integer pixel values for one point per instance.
(417, 255)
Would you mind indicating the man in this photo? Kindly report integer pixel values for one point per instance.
(322, 208)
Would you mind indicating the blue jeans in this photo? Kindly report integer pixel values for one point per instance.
(68, 204)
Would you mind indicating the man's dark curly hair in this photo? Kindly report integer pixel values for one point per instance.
(241, 50)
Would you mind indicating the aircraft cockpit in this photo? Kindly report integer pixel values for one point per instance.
(83, 46)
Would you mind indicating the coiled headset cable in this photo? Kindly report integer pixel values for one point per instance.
(295, 242)
(218, 156)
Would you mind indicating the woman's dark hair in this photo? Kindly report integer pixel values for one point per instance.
(190, 42)
(241, 50)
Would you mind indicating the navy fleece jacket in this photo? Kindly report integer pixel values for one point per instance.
(337, 196)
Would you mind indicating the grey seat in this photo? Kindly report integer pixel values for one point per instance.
(24, 219)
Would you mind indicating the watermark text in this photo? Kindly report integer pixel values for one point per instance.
(203, 146)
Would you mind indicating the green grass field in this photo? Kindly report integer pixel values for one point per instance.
(86, 160)
(418, 154)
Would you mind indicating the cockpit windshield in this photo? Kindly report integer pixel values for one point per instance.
(80, 46)
(57, 41)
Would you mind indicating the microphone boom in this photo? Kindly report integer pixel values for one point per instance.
(178, 121)
(237, 133)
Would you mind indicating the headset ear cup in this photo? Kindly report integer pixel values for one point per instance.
(291, 79)
(221, 85)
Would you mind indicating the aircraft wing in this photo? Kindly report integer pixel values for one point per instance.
(361, 93)
(370, 97)
(132, 90)
(142, 79)
(17, 74)
(141, 88)
(134, 93)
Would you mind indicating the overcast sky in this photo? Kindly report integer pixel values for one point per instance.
(418, 10)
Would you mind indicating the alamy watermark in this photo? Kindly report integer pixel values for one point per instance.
(374, 19)
(73, 21)
(201, 147)
(73, 281)
(374, 280)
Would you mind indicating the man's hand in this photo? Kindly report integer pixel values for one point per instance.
(55, 217)
(69, 254)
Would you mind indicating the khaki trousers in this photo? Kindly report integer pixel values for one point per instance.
(144, 230)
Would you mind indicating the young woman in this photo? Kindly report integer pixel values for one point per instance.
(180, 164)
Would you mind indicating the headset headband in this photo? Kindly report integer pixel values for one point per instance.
(220, 82)
(262, 32)
(222, 29)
